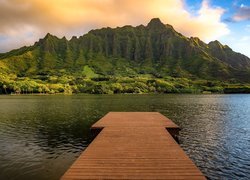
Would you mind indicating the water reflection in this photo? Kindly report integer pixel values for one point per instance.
(41, 136)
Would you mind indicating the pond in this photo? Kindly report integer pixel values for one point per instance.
(41, 136)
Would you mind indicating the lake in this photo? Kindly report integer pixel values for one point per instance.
(41, 136)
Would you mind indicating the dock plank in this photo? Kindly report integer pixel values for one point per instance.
(134, 145)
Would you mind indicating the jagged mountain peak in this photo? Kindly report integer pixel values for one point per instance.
(49, 36)
(156, 23)
(215, 43)
(154, 49)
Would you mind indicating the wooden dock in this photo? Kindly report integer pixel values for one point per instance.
(134, 145)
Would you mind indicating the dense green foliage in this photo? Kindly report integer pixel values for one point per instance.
(142, 59)
(69, 84)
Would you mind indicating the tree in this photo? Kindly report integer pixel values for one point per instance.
(4, 86)
(17, 89)
(40, 90)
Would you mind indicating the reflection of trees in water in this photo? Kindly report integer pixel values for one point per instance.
(215, 128)
(68, 125)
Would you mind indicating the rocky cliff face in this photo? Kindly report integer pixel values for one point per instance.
(153, 49)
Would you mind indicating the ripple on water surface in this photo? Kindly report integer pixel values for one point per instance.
(40, 137)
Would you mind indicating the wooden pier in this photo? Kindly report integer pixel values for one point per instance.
(134, 145)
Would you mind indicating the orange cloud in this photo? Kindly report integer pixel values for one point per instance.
(34, 18)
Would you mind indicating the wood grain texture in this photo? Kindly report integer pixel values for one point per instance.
(133, 145)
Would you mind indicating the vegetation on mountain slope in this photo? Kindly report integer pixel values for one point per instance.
(142, 59)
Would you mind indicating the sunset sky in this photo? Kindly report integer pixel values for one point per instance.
(25, 21)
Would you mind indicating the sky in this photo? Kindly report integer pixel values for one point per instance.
(23, 22)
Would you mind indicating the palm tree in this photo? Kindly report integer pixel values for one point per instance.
(5, 87)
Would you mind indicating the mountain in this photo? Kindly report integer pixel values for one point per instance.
(156, 49)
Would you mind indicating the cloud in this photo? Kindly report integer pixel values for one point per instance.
(25, 21)
(242, 14)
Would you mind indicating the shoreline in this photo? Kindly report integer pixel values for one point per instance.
(72, 94)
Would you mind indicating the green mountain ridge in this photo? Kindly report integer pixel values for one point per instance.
(155, 50)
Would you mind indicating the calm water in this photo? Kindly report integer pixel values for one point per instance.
(40, 136)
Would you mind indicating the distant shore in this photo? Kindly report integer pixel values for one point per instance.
(67, 94)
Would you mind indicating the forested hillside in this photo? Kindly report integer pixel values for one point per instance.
(142, 59)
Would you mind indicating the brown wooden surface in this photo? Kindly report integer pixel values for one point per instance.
(133, 145)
